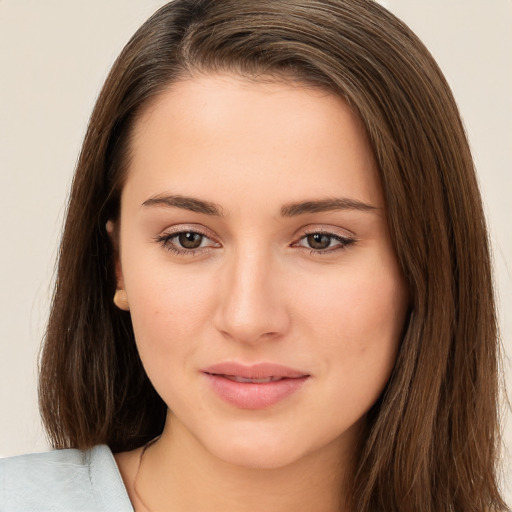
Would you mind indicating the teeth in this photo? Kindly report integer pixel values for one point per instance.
(235, 378)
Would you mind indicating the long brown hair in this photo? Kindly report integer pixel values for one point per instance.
(432, 438)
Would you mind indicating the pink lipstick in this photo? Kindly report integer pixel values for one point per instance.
(255, 386)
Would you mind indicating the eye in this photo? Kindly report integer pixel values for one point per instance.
(186, 242)
(189, 240)
(321, 242)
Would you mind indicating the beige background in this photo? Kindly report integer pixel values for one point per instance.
(54, 56)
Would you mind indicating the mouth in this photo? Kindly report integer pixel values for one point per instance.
(256, 386)
(237, 378)
(254, 372)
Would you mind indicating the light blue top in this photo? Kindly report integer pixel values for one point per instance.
(63, 481)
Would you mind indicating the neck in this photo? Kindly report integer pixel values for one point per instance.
(177, 473)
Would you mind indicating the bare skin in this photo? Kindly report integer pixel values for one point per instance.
(192, 485)
(277, 187)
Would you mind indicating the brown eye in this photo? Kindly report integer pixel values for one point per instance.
(187, 243)
(190, 240)
(324, 242)
(319, 241)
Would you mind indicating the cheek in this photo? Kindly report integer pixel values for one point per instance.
(359, 308)
(168, 318)
(358, 323)
(169, 310)
(358, 328)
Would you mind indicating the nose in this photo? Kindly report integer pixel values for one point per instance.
(251, 306)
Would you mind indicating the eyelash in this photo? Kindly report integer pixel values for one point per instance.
(165, 241)
(344, 242)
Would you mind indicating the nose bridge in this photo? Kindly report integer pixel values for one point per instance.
(250, 306)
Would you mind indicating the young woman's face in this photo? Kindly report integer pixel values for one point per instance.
(265, 295)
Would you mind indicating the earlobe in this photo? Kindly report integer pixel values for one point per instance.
(121, 300)
(120, 297)
(109, 226)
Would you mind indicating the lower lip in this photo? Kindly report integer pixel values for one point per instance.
(248, 395)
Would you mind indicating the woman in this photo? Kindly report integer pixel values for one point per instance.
(274, 287)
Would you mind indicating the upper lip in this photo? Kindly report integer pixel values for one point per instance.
(254, 371)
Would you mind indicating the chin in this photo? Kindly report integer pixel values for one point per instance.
(257, 456)
(261, 447)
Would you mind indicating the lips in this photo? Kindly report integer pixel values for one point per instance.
(255, 386)
(236, 378)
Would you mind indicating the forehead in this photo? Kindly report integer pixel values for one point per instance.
(226, 131)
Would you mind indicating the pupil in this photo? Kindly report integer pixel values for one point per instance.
(190, 240)
(319, 241)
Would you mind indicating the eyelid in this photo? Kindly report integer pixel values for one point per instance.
(344, 238)
(165, 237)
(192, 228)
(335, 231)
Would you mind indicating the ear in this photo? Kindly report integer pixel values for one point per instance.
(120, 297)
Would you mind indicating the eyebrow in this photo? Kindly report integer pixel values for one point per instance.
(325, 205)
(186, 203)
(288, 210)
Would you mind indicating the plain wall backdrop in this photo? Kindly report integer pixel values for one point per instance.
(54, 57)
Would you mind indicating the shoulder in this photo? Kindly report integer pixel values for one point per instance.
(63, 480)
